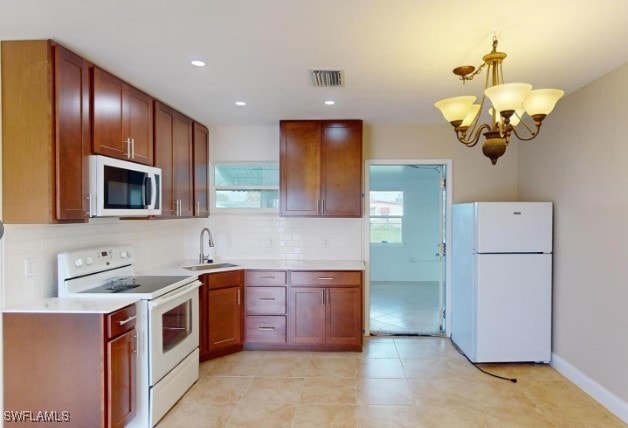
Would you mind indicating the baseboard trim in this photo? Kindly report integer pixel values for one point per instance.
(602, 395)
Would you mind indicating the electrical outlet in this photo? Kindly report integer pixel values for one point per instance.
(28, 268)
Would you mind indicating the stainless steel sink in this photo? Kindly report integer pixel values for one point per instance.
(210, 266)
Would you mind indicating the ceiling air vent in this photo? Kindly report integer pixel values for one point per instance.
(326, 78)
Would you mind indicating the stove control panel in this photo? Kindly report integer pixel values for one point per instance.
(86, 261)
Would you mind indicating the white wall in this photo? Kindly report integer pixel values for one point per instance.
(474, 178)
(580, 162)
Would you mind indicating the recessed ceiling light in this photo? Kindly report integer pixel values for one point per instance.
(240, 103)
(330, 102)
(198, 63)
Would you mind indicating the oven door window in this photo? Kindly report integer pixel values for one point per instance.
(176, 325)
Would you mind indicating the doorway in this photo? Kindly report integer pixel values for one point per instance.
(407, 231)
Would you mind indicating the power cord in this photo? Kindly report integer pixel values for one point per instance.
(511, 379)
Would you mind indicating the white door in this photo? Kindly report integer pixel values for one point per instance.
(513, 307)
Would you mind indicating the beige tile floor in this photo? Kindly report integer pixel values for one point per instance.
(395, 382)
(404, 307)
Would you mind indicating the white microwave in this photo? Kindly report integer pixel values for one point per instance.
(121, 188)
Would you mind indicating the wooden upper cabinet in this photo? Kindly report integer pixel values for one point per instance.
(321, 168)
(45, 133)
(300, 168)
(174, 155)
(73, 139)
(201, 170)
(341, 169)
(122, 119)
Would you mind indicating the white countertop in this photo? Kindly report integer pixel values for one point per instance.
(178, 269)
(107, 305)
(80, 305)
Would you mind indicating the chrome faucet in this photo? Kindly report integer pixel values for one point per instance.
(202, 258)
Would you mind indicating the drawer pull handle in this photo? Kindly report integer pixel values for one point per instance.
(267, 277)
(266, 328)
(128, 320)
(326, 278)
(267, 298)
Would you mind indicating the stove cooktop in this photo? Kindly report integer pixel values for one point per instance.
(135, 284)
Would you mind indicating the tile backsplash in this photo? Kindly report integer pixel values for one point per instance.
(155, 242)
(283, 238)
(162, 243)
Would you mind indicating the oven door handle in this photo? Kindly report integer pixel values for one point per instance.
(169, 298)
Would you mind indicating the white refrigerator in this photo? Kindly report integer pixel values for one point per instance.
(501, 284)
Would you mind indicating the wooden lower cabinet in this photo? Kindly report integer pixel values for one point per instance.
(265, 308)
(266, 329)
(315, 310)
(121, 372)
(325, 316)
(81, 368)
(307, 316)
(344, 316)
(221, 314)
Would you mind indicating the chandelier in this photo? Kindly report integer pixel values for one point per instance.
(510, 102)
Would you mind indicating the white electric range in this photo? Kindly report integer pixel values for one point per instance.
(167, 321)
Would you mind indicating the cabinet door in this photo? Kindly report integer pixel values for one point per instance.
(121, 379)
(224, 318)
(72, 126)
(306, 319)
(203, 316)
(201, 170)
(164, 144)
(173, 154)
(137, 109)
(344, 316)
(121, 114)
(182, 153)
(107, 98)
(300, 168)
(341, 172)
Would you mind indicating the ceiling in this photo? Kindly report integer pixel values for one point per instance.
(397, 55)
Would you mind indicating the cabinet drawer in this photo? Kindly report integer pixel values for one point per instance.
(265, 277)
(224, 279)
(326, 278)
(265, 329)
(120, 321)
(265, 300)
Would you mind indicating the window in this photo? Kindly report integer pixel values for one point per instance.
(246, 186)
(386, 217)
